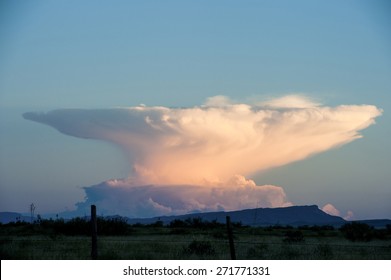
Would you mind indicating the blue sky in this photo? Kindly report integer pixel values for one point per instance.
(96, 54)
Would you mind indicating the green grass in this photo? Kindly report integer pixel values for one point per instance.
(168, 243)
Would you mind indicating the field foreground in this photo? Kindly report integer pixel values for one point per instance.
(191, 241)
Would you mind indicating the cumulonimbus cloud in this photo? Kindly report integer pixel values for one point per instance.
(189, 145)
(207, 145)
(133, 200)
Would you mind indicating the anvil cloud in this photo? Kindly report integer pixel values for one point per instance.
(208, 145)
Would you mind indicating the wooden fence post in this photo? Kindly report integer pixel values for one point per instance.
(230, 238)
(94, 234)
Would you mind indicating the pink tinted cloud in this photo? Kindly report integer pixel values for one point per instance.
(124, 197)
(185, 159)
(215, 141)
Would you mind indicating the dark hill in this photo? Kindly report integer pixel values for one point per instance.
(293, 216)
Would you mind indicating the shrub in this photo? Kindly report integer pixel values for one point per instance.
(380, 234)
(357, 231)
(196, 223)
(293, 236)
(177, 224)
(157, 224)
(113, 226)
(82, 226)
(388, 228)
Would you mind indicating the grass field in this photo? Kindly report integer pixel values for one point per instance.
(32, 242)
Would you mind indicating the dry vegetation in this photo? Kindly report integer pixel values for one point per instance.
(192, 239)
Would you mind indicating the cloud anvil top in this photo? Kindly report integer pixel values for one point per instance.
(213, 142)
(208, 145)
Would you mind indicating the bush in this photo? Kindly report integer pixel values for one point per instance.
(114, 226)
(388, 228)
(196, 223)
(357, 231)
(177, 224)
(293, 236)
(82, 226)
(157, 224)
(380, 234)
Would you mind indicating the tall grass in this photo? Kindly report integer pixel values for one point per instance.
(190, 243)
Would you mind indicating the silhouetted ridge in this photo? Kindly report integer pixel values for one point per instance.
(294, 215)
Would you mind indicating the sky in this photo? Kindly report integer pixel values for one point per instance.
(190, 81)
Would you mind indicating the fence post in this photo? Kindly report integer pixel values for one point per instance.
(230, 238)
(94, 234)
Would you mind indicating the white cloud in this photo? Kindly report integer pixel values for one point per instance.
(330, 209)
(218, 101)
(184, 159)
(349, 215)
(125, 198)
(189, 145)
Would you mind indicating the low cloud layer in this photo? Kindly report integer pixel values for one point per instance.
(124, 198)
(184, 158)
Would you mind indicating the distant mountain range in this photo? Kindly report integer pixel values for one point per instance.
(292, 216)
(285, 216)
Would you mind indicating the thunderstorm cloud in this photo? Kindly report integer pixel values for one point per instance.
(195, 159)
